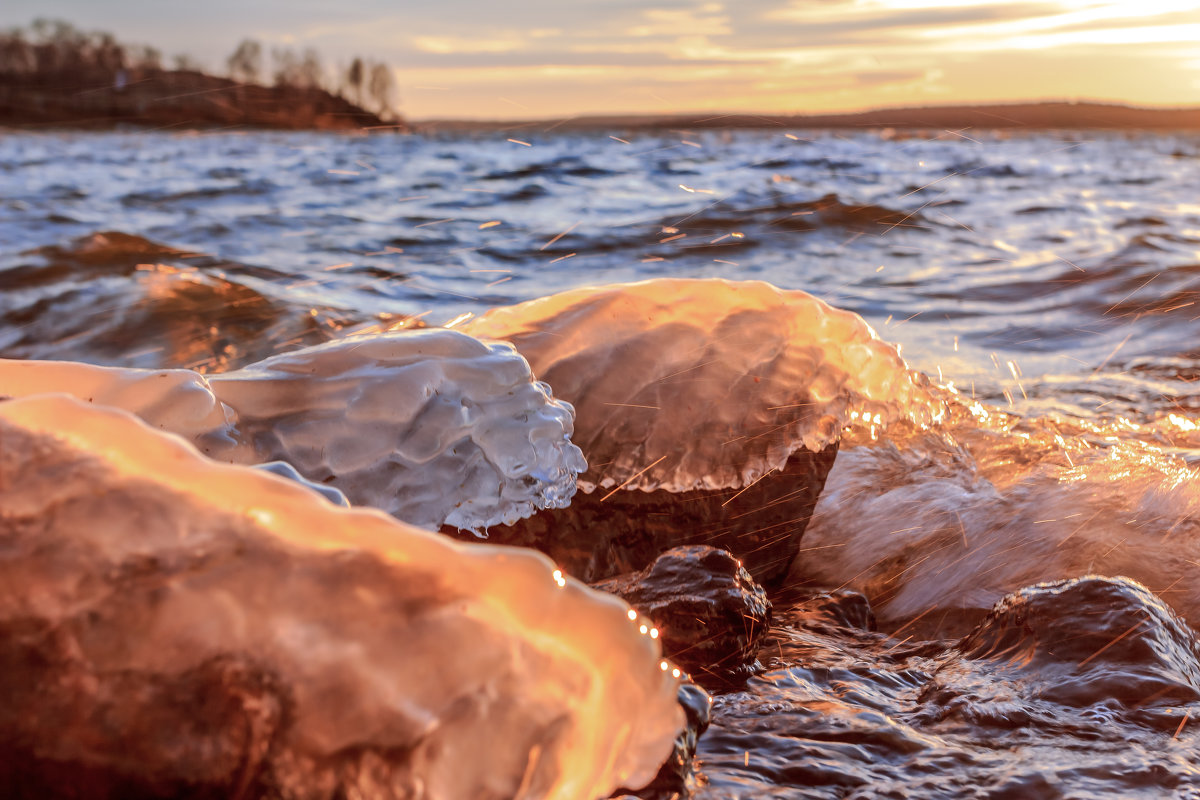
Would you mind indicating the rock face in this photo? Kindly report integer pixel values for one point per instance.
(175, 627)
(709, 412)
(602, 535)
(709, 612)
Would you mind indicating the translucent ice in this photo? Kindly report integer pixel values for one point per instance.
(705, 384)
(175, 400)
(433, 426)
(173, 623)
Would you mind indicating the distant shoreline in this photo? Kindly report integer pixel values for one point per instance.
(184, 99)
(193, 100)
(1004, 116)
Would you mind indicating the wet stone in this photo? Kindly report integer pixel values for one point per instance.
(710, 613)
(603, 534)
(1087, 640)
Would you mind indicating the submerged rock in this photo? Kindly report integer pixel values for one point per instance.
(709, 612)
(172, 626)
(1087, 640)
(120, 300)
(709, 411)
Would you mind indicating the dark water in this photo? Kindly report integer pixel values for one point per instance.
(1050, 284)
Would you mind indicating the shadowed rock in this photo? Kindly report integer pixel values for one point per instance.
(710, 613)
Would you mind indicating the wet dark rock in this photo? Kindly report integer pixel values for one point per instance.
(710, 612)
(1105, 645)
(1090, 638)
(676, 778)
(604, 534)
(840, 608)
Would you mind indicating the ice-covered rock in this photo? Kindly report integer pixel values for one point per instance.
(710, 412)
(433, 426)
(173, 625)
(174, 400)
(286, 470)
(705, 384)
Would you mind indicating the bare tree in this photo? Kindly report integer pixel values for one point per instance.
(309, 71)
(380, 86)
(246, 62)
(354, 78)
(185, 63)
(286, 66)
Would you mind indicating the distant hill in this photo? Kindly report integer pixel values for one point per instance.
(1055, 115)
(55, 74)
(170, 98)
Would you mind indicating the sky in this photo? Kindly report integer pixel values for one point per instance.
(519, 59)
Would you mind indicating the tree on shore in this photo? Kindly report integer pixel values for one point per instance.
(297, 71)
(354, 78)
(380, 86)
(246, 62)
(57, 59)
(56, 50)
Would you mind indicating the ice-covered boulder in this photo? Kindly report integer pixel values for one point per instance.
(172, 625)
(433, 426)
(710, 412)
(174, 400)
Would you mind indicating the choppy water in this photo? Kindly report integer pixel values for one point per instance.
(1052, 281)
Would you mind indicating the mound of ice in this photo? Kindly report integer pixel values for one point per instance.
(433, 426)
(175, 400)
(705, 384)
(170, 623)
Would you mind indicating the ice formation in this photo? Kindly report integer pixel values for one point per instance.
(286, 470)
(705, 384)
(174, 400)
(174, 623)
(432, 425)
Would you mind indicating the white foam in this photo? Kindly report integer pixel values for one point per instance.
(482, 666)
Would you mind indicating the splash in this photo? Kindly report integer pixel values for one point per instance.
(707, 384)
(936, 526)
(172, 623)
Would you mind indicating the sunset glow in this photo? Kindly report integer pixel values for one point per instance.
(534, 58)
